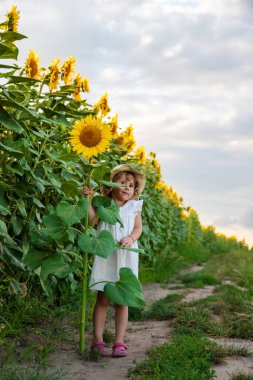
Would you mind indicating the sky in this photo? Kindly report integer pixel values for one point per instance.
(180, 71)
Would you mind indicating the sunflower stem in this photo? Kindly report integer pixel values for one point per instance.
(84, 284)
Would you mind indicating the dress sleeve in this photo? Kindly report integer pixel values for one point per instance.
(138, 206)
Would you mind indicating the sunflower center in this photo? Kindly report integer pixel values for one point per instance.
(90, 136)
(33, 68)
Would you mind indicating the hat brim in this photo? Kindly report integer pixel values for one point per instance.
(129, 168)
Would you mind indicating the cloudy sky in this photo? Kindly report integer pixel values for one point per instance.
(181, 71)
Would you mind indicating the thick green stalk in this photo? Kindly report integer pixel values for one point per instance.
(84, 290)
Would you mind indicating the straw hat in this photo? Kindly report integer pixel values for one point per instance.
(129, 168)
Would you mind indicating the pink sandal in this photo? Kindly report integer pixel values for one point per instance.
(119, 350)
(101, 348)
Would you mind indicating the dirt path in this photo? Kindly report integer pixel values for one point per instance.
(139, 338)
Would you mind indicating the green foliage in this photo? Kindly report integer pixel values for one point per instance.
(239, 375)
(199, 279)
(236, 265)
(127, 291)
(107, 210)
(230, 305)
(17, 373)
(185, 358)
(72, 213)
(41, 205)
(101, 245)
(165, 308)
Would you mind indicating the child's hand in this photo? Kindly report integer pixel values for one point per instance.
(126, 242)
(87, 191)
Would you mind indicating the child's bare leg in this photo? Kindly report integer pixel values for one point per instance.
(99, 316)
(121, 319)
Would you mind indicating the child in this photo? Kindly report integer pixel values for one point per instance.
(108, 269)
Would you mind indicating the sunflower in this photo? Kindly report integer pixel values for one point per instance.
(126, 139)
(78, 83)
(157, 166)
(114, 125)
(12, 19)
(129, 131)
(102, 105)
(140, 154)
(68, 69)
(54, 75)
(152, 154)
(129, 138)
(90, 137)
(85, 85)
(32, 65)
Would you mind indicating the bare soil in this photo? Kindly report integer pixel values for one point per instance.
(140, 337)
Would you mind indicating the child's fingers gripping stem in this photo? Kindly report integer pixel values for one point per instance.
(127, 241)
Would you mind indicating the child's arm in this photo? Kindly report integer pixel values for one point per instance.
(135, 234)
(92, 211)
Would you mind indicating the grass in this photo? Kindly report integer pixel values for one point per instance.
(238, 375)
(185, 357)
(31, 329)
(18, 373)
(227, 313)
(170, 263)
(165, 308)
(236, 266)
(199, 279)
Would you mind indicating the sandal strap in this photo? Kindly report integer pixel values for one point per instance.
(121, 346)
(98, 344)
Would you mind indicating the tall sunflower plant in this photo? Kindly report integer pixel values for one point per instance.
(45, 239)
(90, 137)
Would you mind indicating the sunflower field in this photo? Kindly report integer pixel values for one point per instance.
(52, 142)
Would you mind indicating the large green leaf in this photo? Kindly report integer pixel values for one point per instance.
(11, 255)
(111, 184)
(127, 291)
(70, 188)
(67, 269)
(61, 155)
(70, 213)
(34, 257)
(102, 245)
(4, 204)
(100, 172)
(19, 79)
(10, 146)
(12, 36)
(107, 209)
(12, 103)
(15, 168)
(8, 50)
(9, 67)
(3, 228)
(7, 74)
(21, 207)
(55, 227)
(51, 264)
(8, 121)
(38, 239)
(17, 224)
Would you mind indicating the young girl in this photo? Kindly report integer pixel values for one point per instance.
(133, 182)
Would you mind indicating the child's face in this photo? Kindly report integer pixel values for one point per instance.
(122, 194)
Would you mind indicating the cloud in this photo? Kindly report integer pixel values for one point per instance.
(180, 72)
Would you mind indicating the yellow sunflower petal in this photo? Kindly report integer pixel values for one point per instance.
(90, 137)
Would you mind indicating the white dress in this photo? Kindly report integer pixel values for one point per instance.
(108, 269)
